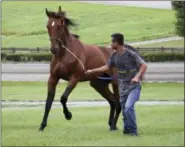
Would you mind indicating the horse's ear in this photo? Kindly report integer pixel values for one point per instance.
(64, 13)
(47, 13)
(59, 10)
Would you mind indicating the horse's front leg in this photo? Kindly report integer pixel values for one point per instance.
(71, 85)
(52, 82)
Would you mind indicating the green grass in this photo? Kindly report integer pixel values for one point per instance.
(83, 91)
(23, 25)
(173, 43)
(158, 126)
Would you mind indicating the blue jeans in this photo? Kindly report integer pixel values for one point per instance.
(128, 98)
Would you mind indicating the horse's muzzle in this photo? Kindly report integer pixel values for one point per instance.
(54, 50)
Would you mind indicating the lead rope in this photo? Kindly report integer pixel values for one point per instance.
(82, 65)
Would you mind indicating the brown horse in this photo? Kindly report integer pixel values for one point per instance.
(71, 58)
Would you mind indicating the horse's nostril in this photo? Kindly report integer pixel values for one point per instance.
(53, 50)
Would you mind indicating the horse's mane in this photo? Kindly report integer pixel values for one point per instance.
(59, 15)
(76, 36)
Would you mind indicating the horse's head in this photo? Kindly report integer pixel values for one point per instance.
(58, 29)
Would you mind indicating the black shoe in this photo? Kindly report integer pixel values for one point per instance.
(125, 132)
(133, 134)
(129, 133)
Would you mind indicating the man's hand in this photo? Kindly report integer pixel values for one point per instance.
(135, 80)
(89, 71)
(141, 72)
(99, 70)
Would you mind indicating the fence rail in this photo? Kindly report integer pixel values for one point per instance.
(142, 49)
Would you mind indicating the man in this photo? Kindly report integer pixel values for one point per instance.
(131, 67)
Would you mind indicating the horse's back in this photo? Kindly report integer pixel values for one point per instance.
(107, 51)
(99, 50)
(96, 56)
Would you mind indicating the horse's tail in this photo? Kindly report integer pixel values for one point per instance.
(130, 47)
(133, 49)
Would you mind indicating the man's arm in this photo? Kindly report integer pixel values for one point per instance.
(101, 69)
(142, 67)
(142, 70)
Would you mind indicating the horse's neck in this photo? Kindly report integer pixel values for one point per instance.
(68, 46)
(69, 40)
(73, 43)
(76, 48)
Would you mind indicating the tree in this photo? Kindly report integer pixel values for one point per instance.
(179, 7)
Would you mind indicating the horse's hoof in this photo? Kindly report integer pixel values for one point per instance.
(68, 115)
(42, 127)
(113, 129)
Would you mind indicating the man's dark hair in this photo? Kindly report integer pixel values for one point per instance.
(118, 37)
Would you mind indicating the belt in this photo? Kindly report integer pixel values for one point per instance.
(122, 73)
(126, 71)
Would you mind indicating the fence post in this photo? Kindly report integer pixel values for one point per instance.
(38, 50)
(162, 49)
(13, 50)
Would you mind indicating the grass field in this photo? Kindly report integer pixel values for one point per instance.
(83, 91)
(173, 43)
(158, 126)
(24, 26)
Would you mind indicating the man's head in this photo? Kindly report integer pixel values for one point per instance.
(117, 40)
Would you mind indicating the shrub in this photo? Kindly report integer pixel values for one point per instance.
(149, 57)
(179, 7)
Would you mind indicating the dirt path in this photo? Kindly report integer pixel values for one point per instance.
(158, 72)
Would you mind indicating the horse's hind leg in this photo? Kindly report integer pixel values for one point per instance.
(117, 103)
(102, 88)
(52, 82)
(115, 88)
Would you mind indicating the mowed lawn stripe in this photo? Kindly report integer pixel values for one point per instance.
(83, 91)
(158, 125)
(96, 22)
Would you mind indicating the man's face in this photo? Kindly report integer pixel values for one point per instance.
(114, 44)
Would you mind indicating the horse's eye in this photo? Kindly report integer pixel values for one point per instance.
(58, 27)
